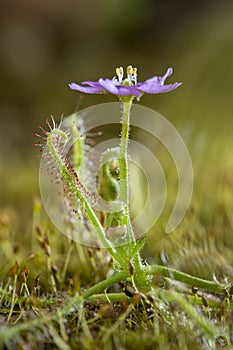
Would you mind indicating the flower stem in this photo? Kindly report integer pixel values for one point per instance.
(124, 176)
(123, 163)
(140, 278)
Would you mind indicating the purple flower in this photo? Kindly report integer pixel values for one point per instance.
(127, 87)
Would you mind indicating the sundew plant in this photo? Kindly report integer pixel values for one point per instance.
(113, 174)
(91, 198)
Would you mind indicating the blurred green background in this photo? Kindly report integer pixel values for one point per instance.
(47, 44)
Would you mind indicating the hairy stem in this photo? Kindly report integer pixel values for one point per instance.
(141, 279)
(75, 187)
(124, 176)
(123, 163)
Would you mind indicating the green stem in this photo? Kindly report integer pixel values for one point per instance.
(110, 297)
(141, 279)
(157, 270)
(184, 278)
(99, 287)
(99, 229)
(124, 176)
(212, 300)
(167, 295)
(68, 177)
(123, 163)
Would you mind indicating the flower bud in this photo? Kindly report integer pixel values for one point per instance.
(108, 186)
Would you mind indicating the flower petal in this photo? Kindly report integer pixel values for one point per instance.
(167, 74)
(155, 85)
(91, 83)
(121, 90)
(93, 88)
(155, 88)
(157, 80)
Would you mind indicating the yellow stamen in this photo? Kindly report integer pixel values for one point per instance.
(120, 73)
(129, 70)
(131, 75)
